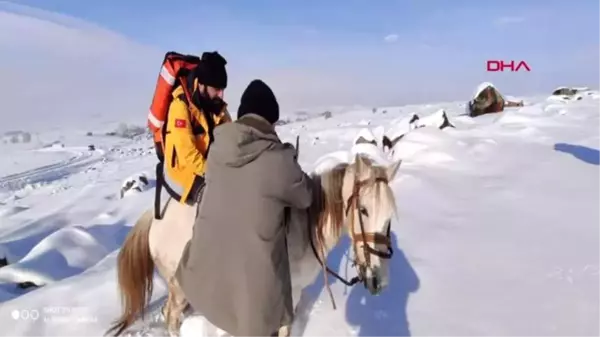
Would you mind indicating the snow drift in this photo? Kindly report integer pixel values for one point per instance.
(497, 231)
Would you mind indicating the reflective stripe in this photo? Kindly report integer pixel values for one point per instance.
(164, 73)
(152, 119)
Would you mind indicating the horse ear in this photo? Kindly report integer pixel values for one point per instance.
(392, 170)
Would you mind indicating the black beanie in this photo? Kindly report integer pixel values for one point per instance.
(211, 70)
(259, 99)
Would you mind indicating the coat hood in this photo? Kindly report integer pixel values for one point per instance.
(241, 142)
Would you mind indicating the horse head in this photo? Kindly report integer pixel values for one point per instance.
(369, 207)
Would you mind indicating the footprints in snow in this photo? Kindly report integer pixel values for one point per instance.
(55, 177)
(132, 152)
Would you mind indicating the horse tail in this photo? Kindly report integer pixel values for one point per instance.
(135, 270)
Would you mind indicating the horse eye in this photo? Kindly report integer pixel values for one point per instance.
(363, 211)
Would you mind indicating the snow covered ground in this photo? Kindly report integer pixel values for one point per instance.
(497, 232)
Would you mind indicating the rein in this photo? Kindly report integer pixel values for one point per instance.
(376, 238)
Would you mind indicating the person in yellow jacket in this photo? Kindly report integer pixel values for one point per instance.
(197, 108)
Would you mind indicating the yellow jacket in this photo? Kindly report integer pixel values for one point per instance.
(186, 144)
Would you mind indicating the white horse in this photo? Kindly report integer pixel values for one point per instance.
(353, 198)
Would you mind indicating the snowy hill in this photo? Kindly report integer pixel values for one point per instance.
(497, 231)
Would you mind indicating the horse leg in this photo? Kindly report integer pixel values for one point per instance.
(176, 304)
(169, 239)
(284, 331)
(166, 309)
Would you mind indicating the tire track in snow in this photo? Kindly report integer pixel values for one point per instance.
(52, 172)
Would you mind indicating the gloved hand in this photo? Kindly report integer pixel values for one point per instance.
(288, 145)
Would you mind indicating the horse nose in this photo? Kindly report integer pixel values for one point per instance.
(375, 282)
(372, 282)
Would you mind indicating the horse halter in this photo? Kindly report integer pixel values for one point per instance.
(353, 202)
(367, 237)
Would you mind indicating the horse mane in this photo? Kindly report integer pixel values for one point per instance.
(328, 201)
(328, 204)
(379, 172)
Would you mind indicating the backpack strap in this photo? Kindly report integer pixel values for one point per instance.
(158, 189)
(186, 97)
(210, 121)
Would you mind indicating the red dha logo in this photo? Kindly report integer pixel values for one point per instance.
(493, 65)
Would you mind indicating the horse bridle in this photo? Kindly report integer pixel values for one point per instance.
(368, 237)
(353, 202)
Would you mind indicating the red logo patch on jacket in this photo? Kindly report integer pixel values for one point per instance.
(180, 123)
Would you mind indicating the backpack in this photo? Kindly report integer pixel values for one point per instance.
(173, 72)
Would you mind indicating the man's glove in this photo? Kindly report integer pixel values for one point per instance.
(290, 146)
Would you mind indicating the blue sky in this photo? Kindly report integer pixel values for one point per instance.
(372, 52)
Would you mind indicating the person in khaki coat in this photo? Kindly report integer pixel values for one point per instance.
(235, 269)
